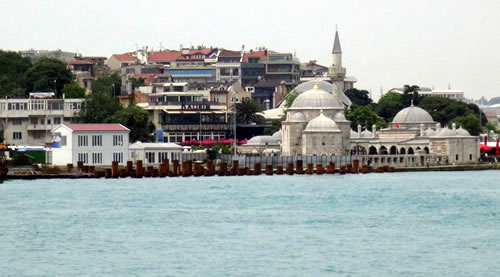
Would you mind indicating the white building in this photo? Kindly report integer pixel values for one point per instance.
(93, 144)
(28, 121)
(154, 153)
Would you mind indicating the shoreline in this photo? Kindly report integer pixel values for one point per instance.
(65, 175)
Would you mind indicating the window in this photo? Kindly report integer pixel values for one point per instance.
(34, 120)
(57, 120)
(235, 71)
(17, 121)
(42, 121)
(83, 141)
(470, 157)
(83, 157)
(117, 140)
(456, 157)
(150, 157)
(97, 140)
(118, 157)
(37, 135)
(162, 156)
(48, 122)
(17, 135)
(97, 158)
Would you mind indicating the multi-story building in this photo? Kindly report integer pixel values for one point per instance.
(118, 61)
(188, 115)
(228, 66)
(282, 67)
(55, 54)
(29, 121)
(252, 70)
(92, 144)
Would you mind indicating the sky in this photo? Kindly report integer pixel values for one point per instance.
(385, 44)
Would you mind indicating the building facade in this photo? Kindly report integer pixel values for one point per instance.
(92, 144)
(29, 121)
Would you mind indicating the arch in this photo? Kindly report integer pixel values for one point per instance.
(426, 149)
(410, 151)
(393, 150)
(402, 151)
(418, 148)
(383, 150)
(372, 150)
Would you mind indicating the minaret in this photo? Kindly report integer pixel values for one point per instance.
(337, 72)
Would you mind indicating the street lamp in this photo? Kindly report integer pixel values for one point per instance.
(234, 101)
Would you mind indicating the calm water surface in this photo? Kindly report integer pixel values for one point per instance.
(423, 224)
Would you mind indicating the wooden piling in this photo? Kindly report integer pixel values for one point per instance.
(175, 168)
(269, 170)
(257, 169)
(69, 168)
(107, 173)
(299, 167)
(319, 169)
(279, 170)
(234, 168)
(114, 169)
(222, 169)
(289, 169)
(139, 171)
(309, 169)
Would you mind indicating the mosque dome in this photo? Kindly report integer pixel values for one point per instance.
(339, 117)
(321, 123)
(298, 116)
(316, 98)
(354, 134)
(366, 134)
(445, 132)
(277, 135)
(262, 140)
(461, 132)
(429, 132)
(322, 85)
(413, 114)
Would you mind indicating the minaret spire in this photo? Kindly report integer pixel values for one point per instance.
(336, 43)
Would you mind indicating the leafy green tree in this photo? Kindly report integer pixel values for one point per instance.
(358, 97)
(107, 83)
(48, 74)
(137, 82)
(470, 122)
(13, 68)
(73, 90)
(445, 110)
(98, 107)
(389, 105)
(290, 97)
(246, 111)
(136, 119)
(491, 127)
(364, 116)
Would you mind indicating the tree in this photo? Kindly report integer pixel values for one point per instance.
(275, 126)
(444, 110)
(104, 84)
(389, 105)
(137, 82)
(491, 127)
(136, 119)
(468, 122)
(98, 107)
(358, 97)
(73, 90)
(246, 111)
(290, 97)
(410, 95)
(13, 68)
(48, 74)
(364, 116)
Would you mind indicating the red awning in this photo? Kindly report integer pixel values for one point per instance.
(208, 142)
(244, 141)
(484, 147)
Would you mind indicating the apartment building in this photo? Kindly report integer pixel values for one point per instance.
(28, 121)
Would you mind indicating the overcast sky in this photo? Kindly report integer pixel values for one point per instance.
(385, 43)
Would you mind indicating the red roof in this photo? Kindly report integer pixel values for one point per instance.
(97, 127)
(262, 55)
(124, 57)
(78, 62)
(204, 51)
(229, 53)
(163, 56)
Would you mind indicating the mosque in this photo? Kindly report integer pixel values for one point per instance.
(315, 124)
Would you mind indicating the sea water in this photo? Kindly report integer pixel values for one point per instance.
(416, 224)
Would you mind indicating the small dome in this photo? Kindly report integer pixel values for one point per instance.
(339, 117)
(429, 132)
(277, 135)
(298, 116)
(323, 85)
(413, 114)
(461, 132)
(321, 123)
(366, 134)
(316, 98)
(262, 140)
(354, 134)
(445, 132)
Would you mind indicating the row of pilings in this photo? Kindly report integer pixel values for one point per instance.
(196, 168)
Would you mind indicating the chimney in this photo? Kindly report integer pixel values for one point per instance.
(265, 52)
